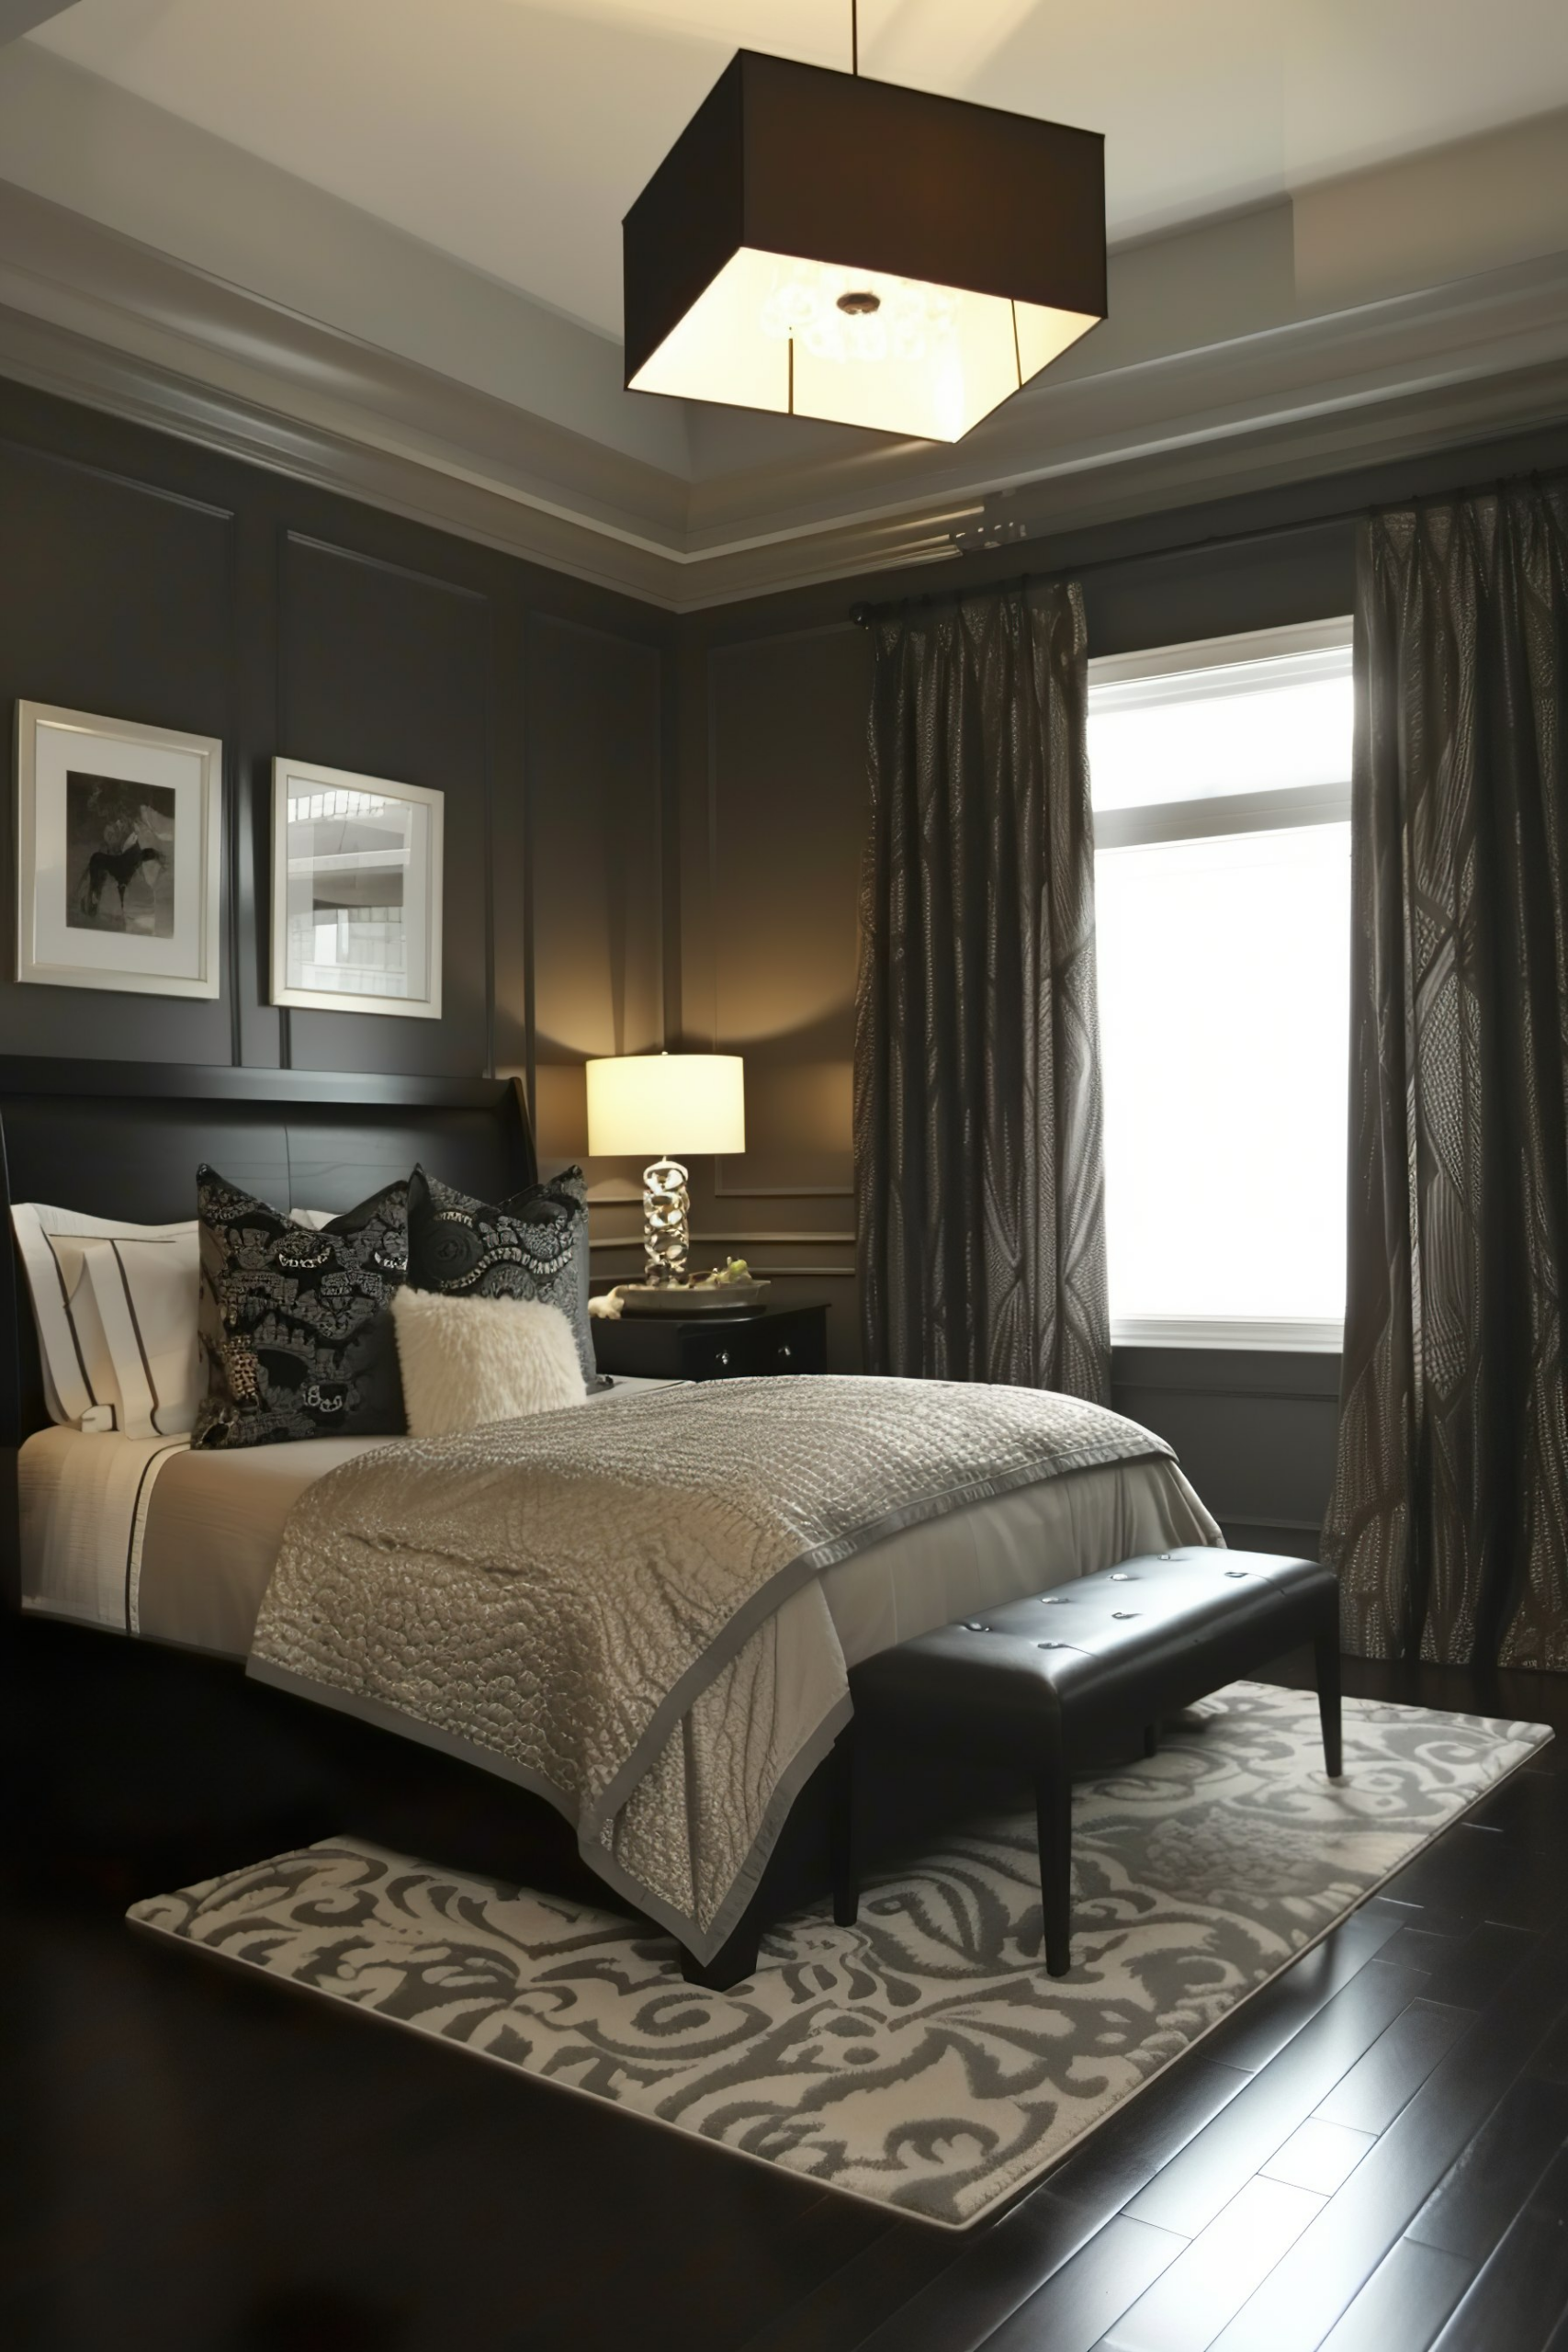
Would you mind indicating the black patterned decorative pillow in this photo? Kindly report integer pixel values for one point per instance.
(295, 1325)
(533, 1246)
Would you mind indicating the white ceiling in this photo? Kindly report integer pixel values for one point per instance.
(512, 134)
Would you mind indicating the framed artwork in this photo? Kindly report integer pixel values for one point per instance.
(355, 892)
(119, 854)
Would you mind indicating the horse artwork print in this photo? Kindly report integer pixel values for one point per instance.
(119, 855)
(120, 841)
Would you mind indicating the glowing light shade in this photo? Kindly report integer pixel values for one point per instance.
(649, 1102)
(823, 244)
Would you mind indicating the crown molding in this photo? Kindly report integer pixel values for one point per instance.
(454, 498)
(59, 267)
(98, 317)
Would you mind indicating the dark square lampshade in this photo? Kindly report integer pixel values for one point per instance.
(826, 245)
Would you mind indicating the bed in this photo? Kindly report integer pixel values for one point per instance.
(144, 1538)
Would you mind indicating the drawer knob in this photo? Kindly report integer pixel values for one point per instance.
(721, 1356)
(786, 1353)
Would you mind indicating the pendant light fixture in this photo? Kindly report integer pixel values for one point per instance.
(821, 244)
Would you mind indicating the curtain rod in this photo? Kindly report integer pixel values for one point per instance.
(863, 615)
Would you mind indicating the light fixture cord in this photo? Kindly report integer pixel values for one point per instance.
(854, 36)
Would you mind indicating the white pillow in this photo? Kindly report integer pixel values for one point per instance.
(80, 1373)
(146, 1295)
(467, 1362)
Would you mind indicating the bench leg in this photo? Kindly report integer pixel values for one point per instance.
(1327, 1653)
(844, 1829)
(1054, 1812)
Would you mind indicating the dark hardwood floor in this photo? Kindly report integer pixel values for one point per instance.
(1371, 2156)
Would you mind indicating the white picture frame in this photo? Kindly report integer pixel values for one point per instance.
(119, 830)
(357, 892)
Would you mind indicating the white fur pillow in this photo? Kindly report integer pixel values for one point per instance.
(469, 1360)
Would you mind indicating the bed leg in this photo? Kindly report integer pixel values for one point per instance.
(844, 1832)
(730, 1965)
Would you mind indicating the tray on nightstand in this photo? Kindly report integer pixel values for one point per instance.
(670, 1299)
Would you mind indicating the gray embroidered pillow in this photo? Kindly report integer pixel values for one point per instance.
(294, 1325)
(533, 1246)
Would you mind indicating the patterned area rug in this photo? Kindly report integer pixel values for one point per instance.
(923, 2059)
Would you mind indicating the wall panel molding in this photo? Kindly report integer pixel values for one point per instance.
(722, 1192)
(717, 1240)
(349, 551)
(22, 449)
(598, 732)
(386, 667)
(116, 598)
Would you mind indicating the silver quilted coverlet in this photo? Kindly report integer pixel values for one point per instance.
(621, 1610)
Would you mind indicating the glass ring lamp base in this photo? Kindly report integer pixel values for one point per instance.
(666, 1222)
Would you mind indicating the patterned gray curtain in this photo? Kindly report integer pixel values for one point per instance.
(979, 1156)
(1450, 1516)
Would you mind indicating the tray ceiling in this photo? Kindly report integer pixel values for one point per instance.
(376, 242)
(514, 135)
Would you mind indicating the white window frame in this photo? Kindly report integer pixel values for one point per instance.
(1243, 812)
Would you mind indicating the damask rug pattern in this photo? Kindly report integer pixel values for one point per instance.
(923, 2059)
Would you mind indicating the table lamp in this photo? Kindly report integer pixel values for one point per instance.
(662, 1104)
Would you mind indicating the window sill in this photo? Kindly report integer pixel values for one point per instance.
(1237, 1332)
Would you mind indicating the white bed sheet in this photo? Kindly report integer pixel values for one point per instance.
(145, 1537)
(109, 1520)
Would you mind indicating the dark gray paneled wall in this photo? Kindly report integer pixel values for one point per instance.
(143, 579)
(386, 671)
(116, 595)
(597, 723)
(1254, 1432)
(596, 707)
(773, 819)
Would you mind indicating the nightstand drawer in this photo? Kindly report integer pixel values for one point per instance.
(801, 1347)
(714, 1351)
(779, 1340)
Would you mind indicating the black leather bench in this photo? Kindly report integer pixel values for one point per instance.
(1038, 1683)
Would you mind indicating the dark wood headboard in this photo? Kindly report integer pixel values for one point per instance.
(124, 1139)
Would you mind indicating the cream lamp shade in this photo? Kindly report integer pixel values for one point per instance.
(665, 1104)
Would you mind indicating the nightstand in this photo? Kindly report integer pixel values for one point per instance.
(713, 1347)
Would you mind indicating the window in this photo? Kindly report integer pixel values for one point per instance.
(1221, 778)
